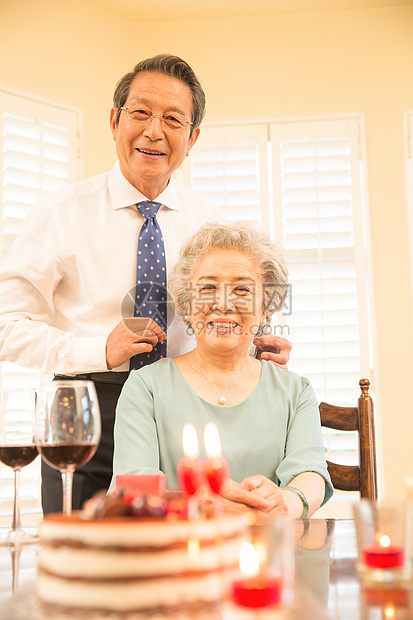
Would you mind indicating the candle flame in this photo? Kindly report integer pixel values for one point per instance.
(261, 550)
(212, 441)
(190, 441)
(248, 560)
(389, 611)
(384, 541)
(193, 546)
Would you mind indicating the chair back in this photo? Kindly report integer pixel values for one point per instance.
(362, 477)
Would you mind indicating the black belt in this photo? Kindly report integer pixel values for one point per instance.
(99, 377)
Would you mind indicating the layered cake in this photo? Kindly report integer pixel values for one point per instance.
(124, 564)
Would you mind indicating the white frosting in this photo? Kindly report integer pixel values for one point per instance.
(90, 576)
(70, 562)
(135, 532)
(132, 595)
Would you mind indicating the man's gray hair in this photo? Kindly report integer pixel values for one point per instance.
(167, 65)
(268, 256)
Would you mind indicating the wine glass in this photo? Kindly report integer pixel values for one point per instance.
(67, 429)
(17, 448)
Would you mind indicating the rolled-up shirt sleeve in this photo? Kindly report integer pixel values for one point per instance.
(29, 277)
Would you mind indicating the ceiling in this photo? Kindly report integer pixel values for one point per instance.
(167, 10)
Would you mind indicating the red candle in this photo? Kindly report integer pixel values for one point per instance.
(216, 468)
(257, 587)
(191, 475)
(190, 470)
(260, 591)
(378, 555)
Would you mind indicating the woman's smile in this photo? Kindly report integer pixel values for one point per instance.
(223, 327)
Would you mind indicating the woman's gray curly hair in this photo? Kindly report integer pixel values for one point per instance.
(241, 236)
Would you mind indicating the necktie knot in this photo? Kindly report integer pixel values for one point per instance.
(148, 209)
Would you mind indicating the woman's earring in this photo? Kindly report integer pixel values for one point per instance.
(190, 329)
(261, 328)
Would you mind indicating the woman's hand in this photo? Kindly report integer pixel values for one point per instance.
(266, 489)
(274, 349)
(233, 498)
(254, 492)
(311, 484)
(260, 493)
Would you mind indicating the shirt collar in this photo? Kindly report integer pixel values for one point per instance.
(124, 194)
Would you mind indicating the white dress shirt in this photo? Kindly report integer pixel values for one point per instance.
(73, 264)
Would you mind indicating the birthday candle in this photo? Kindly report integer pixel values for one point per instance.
(190, 470)
(216, 468)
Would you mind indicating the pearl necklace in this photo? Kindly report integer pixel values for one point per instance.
(222, 400)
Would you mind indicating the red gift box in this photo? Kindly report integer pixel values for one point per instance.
(155, 484)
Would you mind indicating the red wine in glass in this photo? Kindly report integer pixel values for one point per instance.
(67, 429)
(17, 457)
(17, 448)
(68, 455)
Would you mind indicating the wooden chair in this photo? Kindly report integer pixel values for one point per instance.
(362, 477)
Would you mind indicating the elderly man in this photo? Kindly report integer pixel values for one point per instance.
(95, 253)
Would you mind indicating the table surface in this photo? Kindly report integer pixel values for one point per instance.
(328, 586)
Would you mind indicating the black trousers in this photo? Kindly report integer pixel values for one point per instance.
(97, 473)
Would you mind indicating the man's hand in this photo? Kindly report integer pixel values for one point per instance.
(130, 337)
(274, 349)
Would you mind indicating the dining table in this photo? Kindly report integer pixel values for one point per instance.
(327, 585)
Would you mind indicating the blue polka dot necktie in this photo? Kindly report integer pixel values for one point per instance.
(150, 294)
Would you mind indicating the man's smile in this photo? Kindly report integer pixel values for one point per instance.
(150, 152)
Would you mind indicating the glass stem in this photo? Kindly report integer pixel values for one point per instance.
(16, 525)
(15, 564)
(67, 479)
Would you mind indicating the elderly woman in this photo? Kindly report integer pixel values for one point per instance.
(228, 281)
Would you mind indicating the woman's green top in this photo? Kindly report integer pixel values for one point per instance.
(276, 431)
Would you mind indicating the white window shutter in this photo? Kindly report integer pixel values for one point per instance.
(317, 191)
(229, 165)
(40, 153)
(318, 198)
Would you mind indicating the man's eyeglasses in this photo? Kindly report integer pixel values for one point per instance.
(144, 117)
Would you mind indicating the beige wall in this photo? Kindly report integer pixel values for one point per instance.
(65, 50)
(301, 64)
